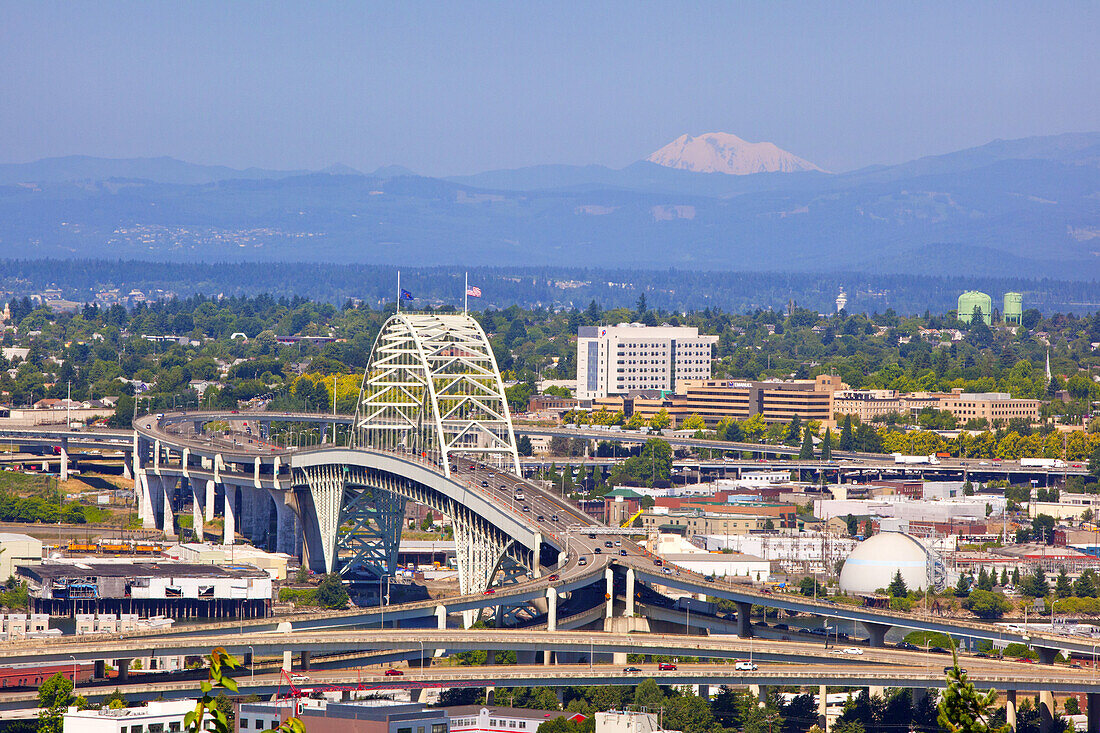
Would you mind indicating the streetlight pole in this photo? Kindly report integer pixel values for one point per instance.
(252, 663)
(74, 673)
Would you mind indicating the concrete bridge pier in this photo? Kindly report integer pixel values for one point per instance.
(1046, 712)
(64, 459)
(744, 619)
(823, 708)
(196, 510)
(209, 500)
(1046, 654)
(229, 514)
(609, 578)
(1010, 708)
(876, 634)
(127, 464)
(551, 609)
(286, 523)
(1092, 712)
(305, 660)
(760, 692)
(123, 670)
(629, 592)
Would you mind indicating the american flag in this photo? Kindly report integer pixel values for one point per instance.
(473, 291)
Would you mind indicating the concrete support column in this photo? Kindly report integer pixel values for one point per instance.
(1092, 712)
(64, 472)
(551, 610)
(1010, 708)
(123, 670)
(629, 592)
(288, 660)
(609, 577)
(873, 690)
(305, 661)
(562, 559)
(286, 523)
(823, 708)
(536, 562)
(168, 518)
(876, 634)
(489, 695)
(760, 692)
(703, 691)
(209, 509)
(441, 617)
(1046, 655)
(229, 516)
(127, 465)
(1046, 712)
(196, 510)
(744, 619)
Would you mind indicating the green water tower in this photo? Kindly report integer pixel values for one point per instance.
(1014, 308)
(972, 299)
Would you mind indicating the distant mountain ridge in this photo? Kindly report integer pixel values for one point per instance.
(723, 152)
(1026, 207)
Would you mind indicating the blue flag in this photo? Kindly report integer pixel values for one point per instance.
(406, 295)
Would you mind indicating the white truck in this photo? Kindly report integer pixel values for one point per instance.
(1042, 463)
(915, 460)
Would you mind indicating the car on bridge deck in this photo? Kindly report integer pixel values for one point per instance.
(582, 561)
(631, 669)
(488, 592)
(391, 672)
(665, 666)
(743, 665)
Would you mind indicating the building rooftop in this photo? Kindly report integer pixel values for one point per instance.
(506, 712)
(59, 569)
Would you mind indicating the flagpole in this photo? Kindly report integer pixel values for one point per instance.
(466, 295)
(399, 291)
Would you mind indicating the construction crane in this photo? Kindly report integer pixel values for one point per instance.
(634, 516)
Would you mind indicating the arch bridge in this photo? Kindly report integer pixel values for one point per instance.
(431, 425)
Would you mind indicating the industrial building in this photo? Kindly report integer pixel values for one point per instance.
(148, 588)
(630, 357)
(322, 715)
(1014, 308)
(155, 715)
(16, 549)
(492, 719)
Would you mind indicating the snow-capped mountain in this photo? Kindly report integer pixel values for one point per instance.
(722, 152)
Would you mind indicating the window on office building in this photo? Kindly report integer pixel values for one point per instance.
(439, 728)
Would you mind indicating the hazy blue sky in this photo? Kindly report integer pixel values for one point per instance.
(452, 87)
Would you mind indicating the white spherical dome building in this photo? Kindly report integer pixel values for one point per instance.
(874, 562)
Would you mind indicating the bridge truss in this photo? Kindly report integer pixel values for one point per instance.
(432, 388)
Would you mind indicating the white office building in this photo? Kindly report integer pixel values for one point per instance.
(156, 716)
(631, 357)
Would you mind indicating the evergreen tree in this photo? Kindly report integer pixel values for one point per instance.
(1040, 585)
(853, 526)
(963, 709)
(847, 439)
(806, 452)
(794, 431)
(1004, 576)
(984, 581)
(827, 446)
(1063, 588)
(331, 592)
(897, 588)
(962, 588)
(1016, 577)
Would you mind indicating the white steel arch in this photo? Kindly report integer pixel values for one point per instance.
(432, 389)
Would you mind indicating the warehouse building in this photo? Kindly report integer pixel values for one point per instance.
(172, 589)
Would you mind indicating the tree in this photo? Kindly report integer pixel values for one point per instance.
(984, 581)
(523, 446)
(694, 422)
(847, 438)
(897, 587)
(1004, 576)
(55, 696)
(331, 592)
(962, 587)
(806, 452)
(1042, 528)
(984, 604)
(794, 431)
(853, 526)
(649, 695)
(827, 445)
(660, 420)
(1062, 587)
(963, 709)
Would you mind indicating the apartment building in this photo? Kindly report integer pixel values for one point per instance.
(631, 356)
(991, 406)
(774, 401)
